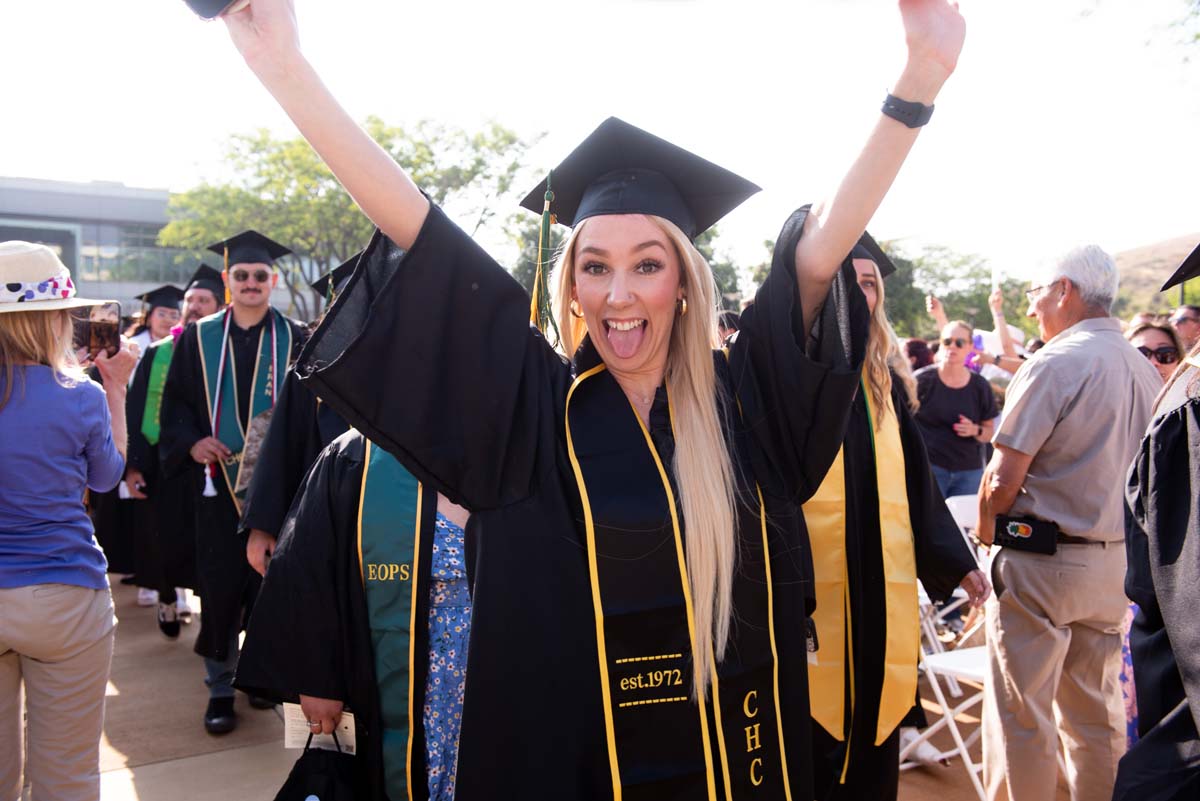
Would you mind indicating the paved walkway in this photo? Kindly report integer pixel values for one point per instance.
(155, 747)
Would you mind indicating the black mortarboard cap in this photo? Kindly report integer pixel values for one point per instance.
(206, 277)
(249, 247)
(868, 248)
(1189, 269)
(166, 295)
(620, 169)
(339, 275)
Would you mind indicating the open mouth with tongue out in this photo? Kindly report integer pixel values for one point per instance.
(625, 336)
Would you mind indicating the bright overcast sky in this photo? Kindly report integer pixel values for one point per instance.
(1067, 121)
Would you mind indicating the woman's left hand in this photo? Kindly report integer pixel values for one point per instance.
(322, 714)
(977, 587)
(965, 427)
(935, 32)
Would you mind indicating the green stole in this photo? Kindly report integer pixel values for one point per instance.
(161, 353)
(825, 515)
(664, 745)
(210, 333)
(395, 518)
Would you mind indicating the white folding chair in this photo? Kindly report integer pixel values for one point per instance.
(968, 664)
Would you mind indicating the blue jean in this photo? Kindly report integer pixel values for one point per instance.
(219, 675)
(957, 482)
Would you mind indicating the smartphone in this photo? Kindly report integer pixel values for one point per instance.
(211, 9)
(98, 328)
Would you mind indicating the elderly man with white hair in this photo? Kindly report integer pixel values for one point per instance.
(1052, 496)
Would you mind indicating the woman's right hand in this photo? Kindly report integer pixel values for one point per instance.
(265, 33)
(116, 369)
(322, 714)
(996, 302)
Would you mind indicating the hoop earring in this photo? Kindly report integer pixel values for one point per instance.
(573, 307)
(682, 306)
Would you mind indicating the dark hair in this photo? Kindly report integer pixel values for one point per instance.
(1189, 307)
(729, 320)
(918, 353)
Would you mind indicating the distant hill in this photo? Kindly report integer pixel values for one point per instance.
(1143, 271)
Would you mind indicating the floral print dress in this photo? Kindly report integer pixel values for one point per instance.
(449, 625)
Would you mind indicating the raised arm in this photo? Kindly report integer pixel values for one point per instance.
(268, 38)
(934, 31)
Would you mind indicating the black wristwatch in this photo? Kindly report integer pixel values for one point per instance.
(914, 115)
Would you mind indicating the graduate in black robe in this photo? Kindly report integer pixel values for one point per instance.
(226, 583)
(310, 632)
(480, 415)
(1162, 543)
(861, 760)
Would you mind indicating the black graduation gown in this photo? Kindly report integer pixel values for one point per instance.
(300, 429)
(431, 356)
(1162, 543)
(942, 560)
(226, 582)
(310, 632)
(164, 524)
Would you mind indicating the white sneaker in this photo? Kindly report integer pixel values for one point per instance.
(924, 753)
(147, 597)
(182, 607)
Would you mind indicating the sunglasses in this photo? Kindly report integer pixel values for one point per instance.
(957, 342)
(1183, 319)
(1167, 354)
(261, 276)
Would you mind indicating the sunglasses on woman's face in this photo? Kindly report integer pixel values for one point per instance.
(1167, 354)
(957, 342)
(261, 276)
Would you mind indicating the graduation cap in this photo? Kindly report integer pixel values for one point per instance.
(249, 247)
(621, 169)
(868, 248)
(332, 281)
(166, 295)
(206, 277)
(1189, 269)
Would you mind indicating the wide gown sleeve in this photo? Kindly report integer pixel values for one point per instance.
(430, 354)
(795, 390)
(291, 445)
(184, 420)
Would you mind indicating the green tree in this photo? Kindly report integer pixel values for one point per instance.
(525, 230)
(724, 271)
(282, 188)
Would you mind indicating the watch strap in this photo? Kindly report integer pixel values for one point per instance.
(914, 115)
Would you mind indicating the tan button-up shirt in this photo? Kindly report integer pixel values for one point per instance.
(1079, 407)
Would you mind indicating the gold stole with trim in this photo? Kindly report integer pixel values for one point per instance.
(825, 516)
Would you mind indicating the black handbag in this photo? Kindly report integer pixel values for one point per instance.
(320, 775)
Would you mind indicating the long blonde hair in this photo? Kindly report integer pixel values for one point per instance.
(884, 356)
(703, 470)
(40, 337)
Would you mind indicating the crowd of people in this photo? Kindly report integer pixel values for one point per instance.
(610, 542)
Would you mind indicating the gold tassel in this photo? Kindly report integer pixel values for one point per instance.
(228, 297)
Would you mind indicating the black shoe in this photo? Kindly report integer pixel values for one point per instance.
(220, 718)
(168, 621)
(258, 702)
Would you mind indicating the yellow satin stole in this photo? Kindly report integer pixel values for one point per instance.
(825, 515)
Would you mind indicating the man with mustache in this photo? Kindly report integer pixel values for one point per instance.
(219, 394)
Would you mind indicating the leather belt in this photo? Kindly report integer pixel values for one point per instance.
(1067, 539)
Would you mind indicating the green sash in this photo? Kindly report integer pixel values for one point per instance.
(393, 556)
(211, 335)
(162, 352)
(663, 744)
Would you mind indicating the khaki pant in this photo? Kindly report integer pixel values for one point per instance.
(57, 641)
(1054, 648)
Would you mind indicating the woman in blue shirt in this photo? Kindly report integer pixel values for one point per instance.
(62, 434)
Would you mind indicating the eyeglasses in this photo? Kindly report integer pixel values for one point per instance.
(261, 276)
(1184, 319)
(1032, 291)
(1167, 354)
(957, 342)
(166, 312)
